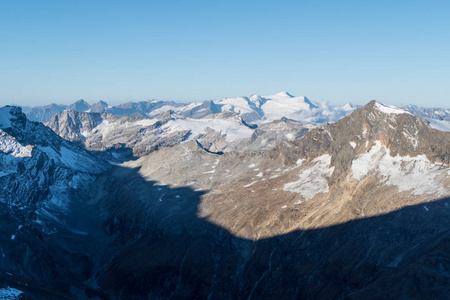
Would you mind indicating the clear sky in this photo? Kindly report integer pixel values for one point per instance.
(337, 51)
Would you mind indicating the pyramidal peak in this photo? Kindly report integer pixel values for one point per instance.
(348, 107)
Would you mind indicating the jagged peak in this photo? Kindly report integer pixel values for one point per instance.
(348, 107)
(81, 101)
(79, 105)
(101, 102)
(9, 115)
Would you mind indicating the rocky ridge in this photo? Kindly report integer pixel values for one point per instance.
(127, 137)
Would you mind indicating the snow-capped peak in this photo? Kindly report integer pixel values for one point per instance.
(348, 107)
(284, 94)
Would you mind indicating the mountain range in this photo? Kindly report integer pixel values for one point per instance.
(260, 197)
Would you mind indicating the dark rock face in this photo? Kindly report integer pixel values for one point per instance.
(40, 176)
(203, 110)
(115, 136)
(401, 254)
(70, 125)
(161, 249)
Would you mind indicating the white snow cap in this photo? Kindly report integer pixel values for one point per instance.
(389, 109)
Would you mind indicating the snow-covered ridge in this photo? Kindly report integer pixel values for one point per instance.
(44, 140)
(9, 293)
(389, 109)
(263, 109)
(253, 109)
(10, 145)
(231, 128)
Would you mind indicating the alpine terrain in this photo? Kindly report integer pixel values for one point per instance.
(259, 197)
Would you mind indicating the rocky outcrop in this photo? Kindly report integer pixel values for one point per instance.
(106, 134)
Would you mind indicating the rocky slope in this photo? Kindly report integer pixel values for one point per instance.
(119, 139)
(354, 209)
(327, 216)
(41, 177)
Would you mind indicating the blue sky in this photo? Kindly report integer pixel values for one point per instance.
(119, 51)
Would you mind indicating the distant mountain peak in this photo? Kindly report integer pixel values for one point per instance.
(284, 94)
(79, 105)
(311, 105)
(102, 102)
(348, 107)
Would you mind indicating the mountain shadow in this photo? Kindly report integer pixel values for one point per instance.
(403, 254)
(129, 238)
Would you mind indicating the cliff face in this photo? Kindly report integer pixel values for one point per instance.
(41, 176)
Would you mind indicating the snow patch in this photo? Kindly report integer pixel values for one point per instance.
(10, 293)
(250, 184)
(71, 159)
(353, 144)
(313, 179)
(300, 161)
(146, 122)
(389, 109)
(290, 137)
(9, 145)
(232, 129)
(415, 174)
